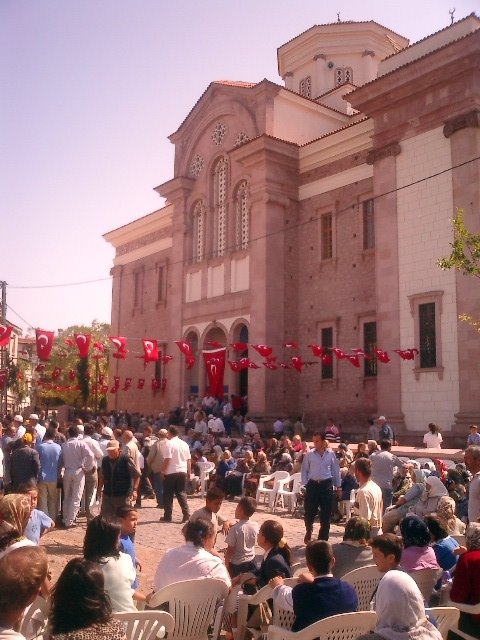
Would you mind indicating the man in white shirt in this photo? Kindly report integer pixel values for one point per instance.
(216, 426)
(472, 462)
(36, 427)
(177, 466)
(91, 478)
(369, 503)
(78, 459)
(18, 428)
(250, 428)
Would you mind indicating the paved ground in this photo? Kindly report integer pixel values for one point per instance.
(154, 538)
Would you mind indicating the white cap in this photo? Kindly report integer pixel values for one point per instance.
(18, 418)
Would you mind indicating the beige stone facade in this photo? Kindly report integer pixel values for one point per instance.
(317, 212)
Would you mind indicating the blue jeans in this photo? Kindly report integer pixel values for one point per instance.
(158, 488)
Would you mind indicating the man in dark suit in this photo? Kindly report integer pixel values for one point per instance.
(318, 594)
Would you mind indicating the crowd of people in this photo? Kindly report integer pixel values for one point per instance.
(404, 516)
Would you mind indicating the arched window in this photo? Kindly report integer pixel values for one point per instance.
(242, 216)
(343, 75)
(305, 87)
(199, 219)
(220, 174)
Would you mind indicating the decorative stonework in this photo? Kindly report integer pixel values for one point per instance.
(471, 119)
(242, 137)
(218, 134)
(197, 165)
(392, 149)
(128, 247)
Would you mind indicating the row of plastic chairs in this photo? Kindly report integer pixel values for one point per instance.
(280, 491)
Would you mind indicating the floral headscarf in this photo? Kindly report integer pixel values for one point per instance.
(446, 512)
(435, 487)
(14, 512)
(473, 536)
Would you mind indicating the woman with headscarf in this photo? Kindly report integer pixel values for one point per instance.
(441, 469)
(406, 619)
(284, 463)
(446, 514)
(434, 490)
(232, 485)
(226, 464)
(15, 511)
(393, 515)
(417, 553)
(260, 468)
(466, 582)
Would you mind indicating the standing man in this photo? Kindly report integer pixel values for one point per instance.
(155, 460)
(91, 478)
(77, 460)
(38, 429)
(383, 464)
(386, 431)
(50, 454)
(177, 466)
(120, 480)
(474, 437)
(472, 461)
(320, 474)
(369, 496)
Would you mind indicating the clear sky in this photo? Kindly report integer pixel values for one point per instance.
(90, 90)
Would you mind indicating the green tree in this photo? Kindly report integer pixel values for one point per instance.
(465, 256)
(87, 371)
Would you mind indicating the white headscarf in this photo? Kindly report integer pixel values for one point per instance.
(437, 488)
(400, 610)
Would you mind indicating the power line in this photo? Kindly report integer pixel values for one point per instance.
(263, 237)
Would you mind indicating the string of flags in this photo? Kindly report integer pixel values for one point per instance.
(215, 359)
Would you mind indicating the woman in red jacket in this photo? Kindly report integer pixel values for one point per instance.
(466, 582)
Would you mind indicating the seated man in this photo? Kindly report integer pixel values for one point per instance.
(22, 573)
(387, 551)
(318, 595)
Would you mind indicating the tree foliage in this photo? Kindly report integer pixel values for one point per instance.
(465, 255)
(76, 383)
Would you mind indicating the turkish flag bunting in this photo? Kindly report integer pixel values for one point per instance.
(83, 343)
(297, 363)
(339, 353)
(150, 348)
(99, 345)
(382, 356)
(72, 374)
(327, 359)
(263, 349)
(39, 367)
(361, 352)
(290, 345)
(235, 366)
(244, 362)
(353, 358)
(270, 365)
(127, 384)
(120, 342)
(3, 378)
(5, 333)
(284, 365)
(406, 354)
(166, 359)
(141, 383)
(317, 350)
(163, 384)
(190, 361)
(44, 344)
(155, 384)
(184, 346)
(239, 346)
(116, 381)
(56, 373)
(252, 365)
(104, 388)
(215, 364)
(69, 342)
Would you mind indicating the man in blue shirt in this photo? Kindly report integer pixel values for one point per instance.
(320, 474)
(51, 462)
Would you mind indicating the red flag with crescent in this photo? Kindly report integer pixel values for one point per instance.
(141, 383)
(235, 366)
(3, 378)
(215, 364)
(186, 349)
(239, 346)
(120, 342)
(263, 349)
(127, 384)
(297, 363)
(83, 343)
(150, 349)
(317, 350)
(44, 344)
(56, 373)
(5, 333)
(406, 354)
(155, 384)
(339, 353)
(382, 356)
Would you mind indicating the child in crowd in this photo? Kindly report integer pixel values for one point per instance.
(213, 502)
(128, 518)
(241, 539)
(38, 523)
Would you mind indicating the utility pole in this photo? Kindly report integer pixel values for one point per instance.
(3, 350)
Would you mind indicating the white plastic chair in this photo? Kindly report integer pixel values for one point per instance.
(206, 469)
(446, 617)
(365, 580)
(271, 493)
(285, 492)
(348, 504)
(461, 539)
(345, 626)
(193, 604)
(426, 580)
(34, 620)
(280, 616)
(466, 608)
(146, 625)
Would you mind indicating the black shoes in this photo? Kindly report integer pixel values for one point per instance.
(308, 536)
